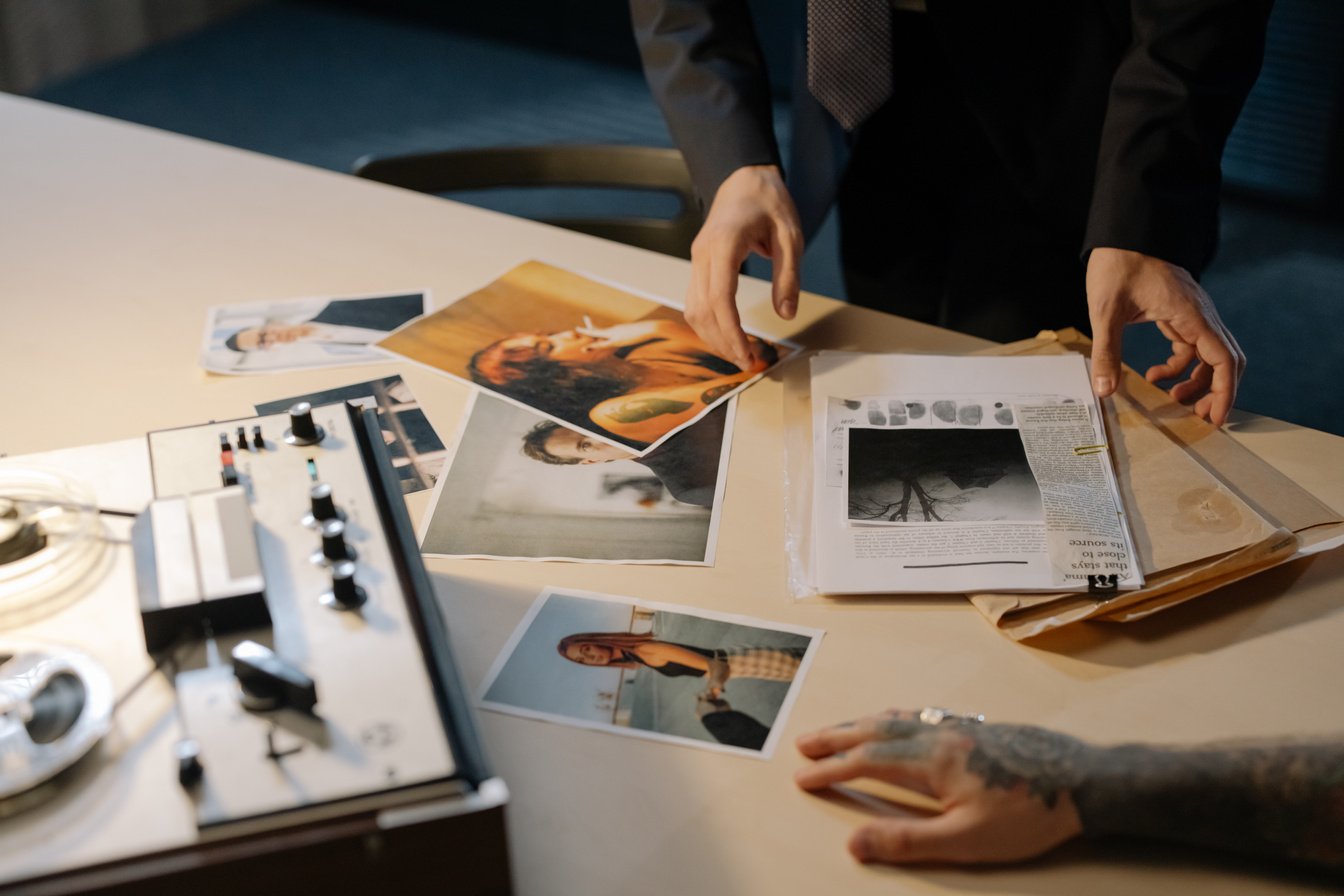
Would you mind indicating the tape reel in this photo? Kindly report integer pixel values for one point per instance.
(51, 537)
(55, 706)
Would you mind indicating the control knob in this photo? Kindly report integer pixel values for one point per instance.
(303, 430)
(344, 593)
(322, 506)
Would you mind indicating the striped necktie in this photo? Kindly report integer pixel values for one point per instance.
(849, 57)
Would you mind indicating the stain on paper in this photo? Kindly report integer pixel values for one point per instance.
(1206, 510)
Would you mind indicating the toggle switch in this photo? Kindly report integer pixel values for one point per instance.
(269, 682)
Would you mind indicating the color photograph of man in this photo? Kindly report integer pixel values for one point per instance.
(687, 464)
(521, 486)
(304, 333)
(623, 368)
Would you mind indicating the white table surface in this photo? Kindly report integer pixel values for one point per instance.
(114, 239)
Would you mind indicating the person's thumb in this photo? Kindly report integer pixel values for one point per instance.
(942, 838)
(1108, 328)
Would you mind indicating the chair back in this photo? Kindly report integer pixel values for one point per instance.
(603, 166)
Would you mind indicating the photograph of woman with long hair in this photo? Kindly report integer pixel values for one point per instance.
(620, 366)
(718, 666)
(634, 382)
(654, 671)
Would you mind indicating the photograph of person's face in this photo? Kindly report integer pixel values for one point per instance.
(272, 334)
(579, 344)
(654, 671)
(523, 487)
(589, 654)
(621, 367)
(303, 334)
(568, 444)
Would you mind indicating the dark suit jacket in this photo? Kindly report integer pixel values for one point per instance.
(381, 313)
(1111, 115)
(687, 464)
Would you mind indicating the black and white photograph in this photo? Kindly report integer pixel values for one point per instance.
(415, 449)
(953, 475)
(521, 486)
(649, 670)
(302, 334)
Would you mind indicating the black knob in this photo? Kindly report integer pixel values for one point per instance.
(334, 547)
(323, 505)
(189, 768)
(344, 594)
(302, 429)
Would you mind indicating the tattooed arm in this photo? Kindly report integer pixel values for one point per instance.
(1010, 792)
(648, 416)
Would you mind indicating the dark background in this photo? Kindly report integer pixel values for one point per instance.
(326, 83)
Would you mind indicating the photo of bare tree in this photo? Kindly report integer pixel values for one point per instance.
(939, 476)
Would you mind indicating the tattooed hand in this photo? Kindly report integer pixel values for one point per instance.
(1011, 792)
(1003, 788)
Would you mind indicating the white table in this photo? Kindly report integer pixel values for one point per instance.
(114, 239)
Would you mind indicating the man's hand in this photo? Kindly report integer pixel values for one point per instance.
(1125, 287)
(1004, 788)
(751, 212)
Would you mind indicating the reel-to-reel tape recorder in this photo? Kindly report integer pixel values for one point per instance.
(222, 665)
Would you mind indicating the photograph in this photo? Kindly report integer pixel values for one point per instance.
(520, 486)
(654, 671)
(941, 412)
(302, 334)
(416, 451)
(952, 475)
(623, 368)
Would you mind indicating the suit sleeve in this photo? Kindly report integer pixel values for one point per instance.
(705, 68)
(1173, 101)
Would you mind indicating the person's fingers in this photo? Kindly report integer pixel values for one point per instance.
(731, 341)
(711, 310)
(829, 741)
(902, 762)
(1195, 386)
(1220, 351)
(1212, 384)
(1182, 354)
(1108, 323)
(819, 744)
(785, 277)
(697, 313)
(947, 837)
